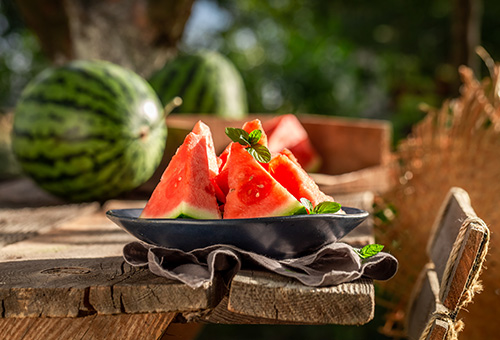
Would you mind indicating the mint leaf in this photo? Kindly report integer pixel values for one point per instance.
(369, 250)
(250, 140)
(326, 208)
(260, 153)
(254, 136)
(238, 136)
(307, 204)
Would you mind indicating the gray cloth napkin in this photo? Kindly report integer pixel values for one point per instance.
(333, 264)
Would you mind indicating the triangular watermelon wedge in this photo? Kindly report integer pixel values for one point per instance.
(288, 172)
(249, 126)
(185, 189)
(202, 129)
(252, 190)
(221, 179)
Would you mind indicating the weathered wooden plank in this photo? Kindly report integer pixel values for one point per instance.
(75, 287)
(77, 268)
(270, 296)
(456, 208)
(375, 178)
(222, 315)
(461, 268)
(96, 327)
(458, 240)
(23, 192)
(23, 223)
(423, 303)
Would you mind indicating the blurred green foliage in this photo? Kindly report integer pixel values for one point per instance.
(356, 59)
(20, 55)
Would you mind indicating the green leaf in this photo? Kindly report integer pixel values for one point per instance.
(307, 204)
(370, 250)
(254, 136)
(238, 136)
(326, 208)
(260, 153)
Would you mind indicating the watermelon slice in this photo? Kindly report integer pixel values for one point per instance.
(295, 179)
(186, 188)
(202, 129)
(221, 179)
(255, 124)
(252, 190)
(286, 131)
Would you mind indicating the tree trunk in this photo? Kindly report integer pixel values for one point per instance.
(137, 34)
(466, 33)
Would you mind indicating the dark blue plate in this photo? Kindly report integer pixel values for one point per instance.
(276, 237)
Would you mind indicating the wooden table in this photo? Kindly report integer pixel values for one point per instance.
(62, 276)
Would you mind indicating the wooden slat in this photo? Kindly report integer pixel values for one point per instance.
(75, 287)
(270, 296)
(23, 192)
(23, 223)
(424, 302)
(461, 269)
(451, 235)
(77, 268)
(94, 327)
(456, 208)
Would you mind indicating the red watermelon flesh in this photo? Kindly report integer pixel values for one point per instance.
(185, 188)
(252, 190)
(202, 129)
(290, 155)
(296, 180)
(256, 124)
(221, 179)
(286, 131)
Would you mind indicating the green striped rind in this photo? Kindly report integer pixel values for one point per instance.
(77, 130)
(290, 207)
(207, 82)
(186, 210)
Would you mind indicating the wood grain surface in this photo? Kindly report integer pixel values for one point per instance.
(72, 268)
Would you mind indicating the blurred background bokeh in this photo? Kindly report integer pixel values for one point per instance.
(358, 59)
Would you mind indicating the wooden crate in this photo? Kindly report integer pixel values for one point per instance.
(355, 152)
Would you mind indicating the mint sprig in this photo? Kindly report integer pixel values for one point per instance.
(321, 208)
(369, 250)
(251, 142)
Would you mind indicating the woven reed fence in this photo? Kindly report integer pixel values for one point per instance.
(455, 145)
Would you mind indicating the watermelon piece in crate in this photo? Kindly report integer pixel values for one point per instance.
(286, 131)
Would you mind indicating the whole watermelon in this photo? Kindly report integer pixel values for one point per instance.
(206, 81)
(89, 130)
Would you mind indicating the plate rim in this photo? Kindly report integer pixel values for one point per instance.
(360, 213)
